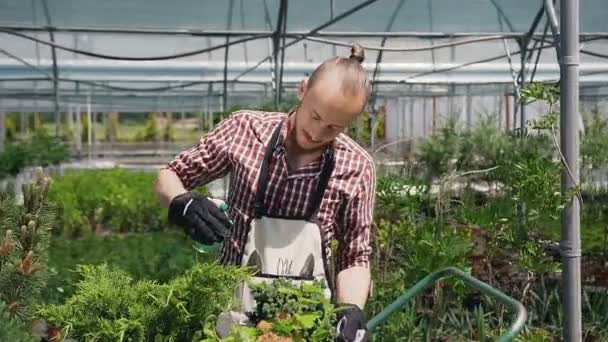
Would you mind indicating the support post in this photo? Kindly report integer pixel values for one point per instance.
(225, 93)
(277, 48)
(522, 84)
(78, 132)
(569, 106)
(2, 130)
(469, 106)
(89, 126)
(55, 69)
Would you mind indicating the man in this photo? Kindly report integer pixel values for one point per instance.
(297, 182)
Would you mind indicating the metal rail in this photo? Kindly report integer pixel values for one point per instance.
(519, 317)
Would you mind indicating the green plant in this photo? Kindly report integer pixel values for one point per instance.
(594, 143)
(40, 150)
(150, 131)
(438, 155)
(112, 126)
(115, 200)
(24, 241)
(158, 256)
(12, 329)
(110, 306)
(168, 131)
(287, 312)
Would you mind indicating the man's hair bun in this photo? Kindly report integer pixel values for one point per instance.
(357, 52)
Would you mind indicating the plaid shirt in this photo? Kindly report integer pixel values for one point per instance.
(237, 146)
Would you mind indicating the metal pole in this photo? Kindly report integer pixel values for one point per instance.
(314, 31)
(78, 131)
(89, 125)
(552, 17)
(522, 84)
(332, 9)
(569, 105)
(2, 130)
(225, 93)
(469, 105)
(280, 79)
(275, 51)
(55, 69)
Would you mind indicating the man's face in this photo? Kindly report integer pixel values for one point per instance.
(324, 112)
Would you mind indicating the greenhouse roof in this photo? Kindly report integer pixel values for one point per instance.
(128, 52)
(199, 16)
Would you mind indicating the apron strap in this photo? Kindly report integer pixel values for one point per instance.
(263, 177)
(328, 167)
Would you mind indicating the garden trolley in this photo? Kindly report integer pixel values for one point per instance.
(519, 317)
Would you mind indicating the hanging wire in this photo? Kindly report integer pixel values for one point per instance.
(463, 65)
(106, 86)
(389, 27)
(539, 52)
(406, 49)
(127, 58)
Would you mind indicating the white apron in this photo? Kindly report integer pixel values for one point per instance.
(281, 247)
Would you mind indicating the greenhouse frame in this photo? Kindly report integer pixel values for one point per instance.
(425, 58)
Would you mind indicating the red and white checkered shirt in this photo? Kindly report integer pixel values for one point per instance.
(237, 146)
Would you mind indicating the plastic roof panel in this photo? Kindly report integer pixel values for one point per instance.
(146, 14)
(414, 16)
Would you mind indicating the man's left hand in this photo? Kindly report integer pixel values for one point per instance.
(351, 324)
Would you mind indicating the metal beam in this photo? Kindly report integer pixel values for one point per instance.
(55, 69)
(523, 44)
(276, 49)
(2, 130)
(570, 244)
(389, 26)
(311, 32)
(552, 17)
(292, 34)
(225, 90)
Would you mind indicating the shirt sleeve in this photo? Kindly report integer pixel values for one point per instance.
(209, 159)
(355, 226)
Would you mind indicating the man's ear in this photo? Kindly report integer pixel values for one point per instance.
(302, 89)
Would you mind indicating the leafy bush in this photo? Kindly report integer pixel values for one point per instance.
(159, 256)
(41, 150)
(24, 241)
(12, 329)
(284, 313)
(115, 200)
(110, 306)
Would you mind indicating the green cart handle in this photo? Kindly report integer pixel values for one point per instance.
(520, 315)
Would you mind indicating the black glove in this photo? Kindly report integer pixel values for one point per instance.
(201, 219)
(351, 324)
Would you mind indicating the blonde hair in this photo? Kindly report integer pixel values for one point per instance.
(349, 72)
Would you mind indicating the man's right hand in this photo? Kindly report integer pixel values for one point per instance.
(201, 219)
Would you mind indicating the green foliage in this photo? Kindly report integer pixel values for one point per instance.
(438, 154)
(150, 131)
(168, 131)
(505, 225)
(12, 329)
(112, 126)
(110, 306)
(299, 313)
(114, 200)
(24, 241)
(40, 150)
(539, 91)
(159, 256)
(10, 126)
(594, 142)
